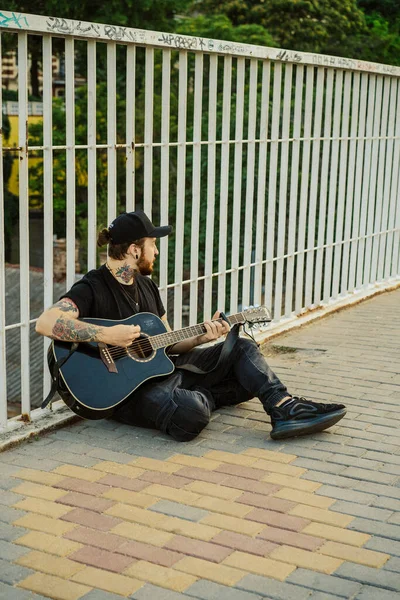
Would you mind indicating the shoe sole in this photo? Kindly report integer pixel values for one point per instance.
(296, 428)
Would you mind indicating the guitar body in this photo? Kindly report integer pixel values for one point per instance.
(93, 386)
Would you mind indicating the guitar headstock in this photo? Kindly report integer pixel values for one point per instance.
(257, 315)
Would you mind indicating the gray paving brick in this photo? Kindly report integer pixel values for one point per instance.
(80, 460)
(324, 583)
(366, 475)
(323, 596)
(309, 463)
(11, 574)
(377, 488)
(10, 551)
(30, 462)
(339, 449)
(371, 593)
(377, 577)
(6, 483)
(10, 532)
(7, 592)
(118, 457)
(394, 518)
(208, 590)
(319, 455)
(389, 503)
(393, 564)
(359, 510)
(271, 588)
(179, 510)
(8, 498)
(345, 494)
(376, 528)
(8, 515)
(100, 595)
(6, 469)
(383, 456)
(386, 545)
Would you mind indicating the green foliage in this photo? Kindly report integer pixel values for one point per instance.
(10, 200)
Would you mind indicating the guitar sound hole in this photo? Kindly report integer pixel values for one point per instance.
(141, 349)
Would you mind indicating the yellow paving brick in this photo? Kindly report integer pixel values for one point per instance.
(52, 565)
(337, 534)
(45, 524)
(54, 587)
(233, 524)
(269, 455)
(225, 507)
(107, 581)
(232, 459)
(128, 497)
(306, 559)
(117, 469)
(141, 533)
(198, 531)
(291, 482)
(79, 472)
(136, 515)
(48, 543)
(151, 464)
(162, 576)
(43, 507)
(361, 556)
(169, 493)
(38, 491)
(212, 489)
(207, 570)
(193, 461)
(259, 565)
(38, 476)
(304, 498)
(321, 515)
(275, 467)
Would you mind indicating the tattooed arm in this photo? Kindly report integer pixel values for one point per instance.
(60, 322)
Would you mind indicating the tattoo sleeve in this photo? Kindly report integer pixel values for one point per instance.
(66, 305)
(72, 330)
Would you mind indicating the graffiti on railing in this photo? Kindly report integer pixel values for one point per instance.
(197, 43)
(13, 20)
(112, 32)
(286, 56)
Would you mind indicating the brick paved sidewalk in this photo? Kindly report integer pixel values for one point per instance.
(100, 510)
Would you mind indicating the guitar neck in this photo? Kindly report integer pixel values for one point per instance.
(173, 337)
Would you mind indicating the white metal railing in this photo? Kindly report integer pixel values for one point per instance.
(279, 170)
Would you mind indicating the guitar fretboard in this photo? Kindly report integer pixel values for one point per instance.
(173, 337)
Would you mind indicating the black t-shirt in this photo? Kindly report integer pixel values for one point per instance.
(99, 295)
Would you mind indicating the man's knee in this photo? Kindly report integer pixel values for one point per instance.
(192, 414)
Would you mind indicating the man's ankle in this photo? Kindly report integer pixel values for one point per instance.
(282, 400)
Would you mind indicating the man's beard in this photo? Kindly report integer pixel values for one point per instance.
(144, 266)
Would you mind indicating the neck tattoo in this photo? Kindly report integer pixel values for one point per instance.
(124, 272)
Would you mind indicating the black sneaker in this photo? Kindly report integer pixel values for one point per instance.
(298, 416)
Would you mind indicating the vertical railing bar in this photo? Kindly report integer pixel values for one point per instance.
(365, 180)
(294, 185)
(315, 166)
(180, 192)
(130, 126)
(323, 195)
(251, 149)
(196, 187)
(70, 156)
(91, 155)
(341, 199)
(223, 204)
(396, 237)
(283, 184)
(211, 165)
(111, 131)
(48, 276)
(394, 192)
(304, 189)
(3, 364)
(387, 177)
(333, 184)
(148, 133)
(164, 176)
(261, 183)
(24, 219)
(237, 182)
(273, 167)
(360, 91)
(372, 198)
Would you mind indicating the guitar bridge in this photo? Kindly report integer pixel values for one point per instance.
(106, 358)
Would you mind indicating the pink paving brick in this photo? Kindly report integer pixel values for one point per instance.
(158, 556)
(201, 474)
(247, 472)
(237, 541)
(270, 503)
(134, 485)
(91, 519)
(165, 479)
(276, 519)
(93, 537)
(205, 550)
(84, 501)
(102, 559)
(84, 487)
(248, 485)
(290, 538)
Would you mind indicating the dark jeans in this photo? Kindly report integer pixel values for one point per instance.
(181, 404)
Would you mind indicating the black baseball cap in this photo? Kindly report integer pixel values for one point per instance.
(132, 226)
